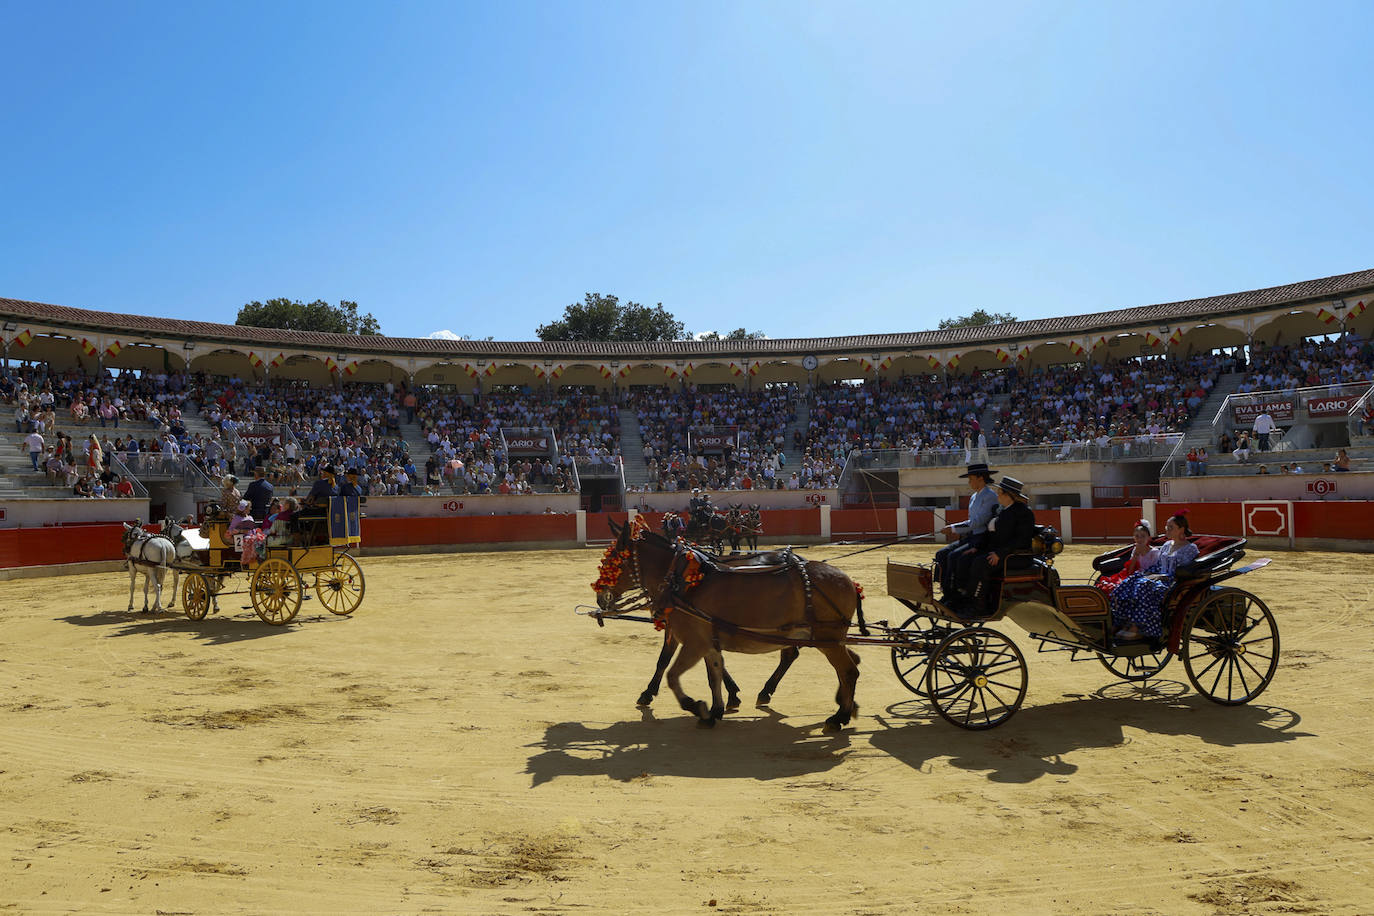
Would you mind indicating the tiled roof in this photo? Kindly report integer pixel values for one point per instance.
(137, 326)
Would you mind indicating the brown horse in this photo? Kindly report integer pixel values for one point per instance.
(670, 644)
(710, 608)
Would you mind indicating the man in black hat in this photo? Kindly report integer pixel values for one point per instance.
(952, 562)
(1011, 531)
(350, 485)
(322, 489)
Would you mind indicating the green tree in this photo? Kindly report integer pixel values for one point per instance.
(978, 318)
(295, 315)
(599, 317)
(736, 334)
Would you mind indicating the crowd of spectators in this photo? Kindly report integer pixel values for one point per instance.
(720, 438)
(707, 437)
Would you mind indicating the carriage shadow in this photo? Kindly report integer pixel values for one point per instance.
(757, 745)
(213, 630)
(1037, 741)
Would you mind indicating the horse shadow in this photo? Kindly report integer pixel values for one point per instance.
(213, 630)
(1038, 741)
(764, 748)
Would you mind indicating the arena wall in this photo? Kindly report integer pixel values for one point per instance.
(1269, 524)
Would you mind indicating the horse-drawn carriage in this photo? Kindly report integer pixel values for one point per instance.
(973, 674)
(976, 676)
(312, 543)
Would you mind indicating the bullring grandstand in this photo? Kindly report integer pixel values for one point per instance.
(1108, 409)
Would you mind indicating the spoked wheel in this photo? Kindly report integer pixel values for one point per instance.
(976, 678)
(195, 596)
(1136, 668)
(917, 639)
(276, 591)
(1231, 647)
(341, 586)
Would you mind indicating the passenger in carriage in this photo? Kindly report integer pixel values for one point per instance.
(1143, 558)
(1011, 530)
(1138, 602)
(243, 519)
(322, 489)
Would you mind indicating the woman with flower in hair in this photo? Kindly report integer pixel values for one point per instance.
(1138, 602)
(1143, 558)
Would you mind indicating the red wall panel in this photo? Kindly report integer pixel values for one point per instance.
(848, 523)
(1205, 518)
(919, 521)
(1105, 524)
(1345, 520)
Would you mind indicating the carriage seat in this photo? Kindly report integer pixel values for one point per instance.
(1215, 554)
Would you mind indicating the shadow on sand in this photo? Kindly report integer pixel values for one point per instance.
(1037, 740)
(215, 629)
(752, 746)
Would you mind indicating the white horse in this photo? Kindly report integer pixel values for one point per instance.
(183, 549)
(151, 555)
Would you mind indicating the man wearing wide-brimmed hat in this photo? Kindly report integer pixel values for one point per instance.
(952, 562)
(322, 489)
(1011, 531)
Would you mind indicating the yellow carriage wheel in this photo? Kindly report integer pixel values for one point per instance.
(276, 591)
(195, 596)
(341, 587)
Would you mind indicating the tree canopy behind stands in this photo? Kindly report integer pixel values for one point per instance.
(978, 318)
(313, 316)
(736, 334)
(600, 317)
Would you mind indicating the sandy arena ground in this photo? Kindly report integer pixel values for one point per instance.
(466, 744)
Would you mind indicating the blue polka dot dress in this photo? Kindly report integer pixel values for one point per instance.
(1140, 600)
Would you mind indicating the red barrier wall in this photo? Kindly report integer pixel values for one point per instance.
(1111, 524)
(1350, 520)
(1205, 518)
(919, 521)
(1343, 520)
(851, 523)
(67, 544)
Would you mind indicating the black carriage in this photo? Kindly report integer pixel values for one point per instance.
(976, 676)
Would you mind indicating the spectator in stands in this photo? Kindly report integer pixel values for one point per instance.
(1342, 462)
(1264, 425)
(124, 488)
(82, 487)
(1202, 460)
(1263, 469)
(1242, 450)
(34, 442)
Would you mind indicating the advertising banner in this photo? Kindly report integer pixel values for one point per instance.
(525, 444)
(1281, 409)
(1338, 405)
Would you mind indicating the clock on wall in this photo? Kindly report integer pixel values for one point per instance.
(809, 362)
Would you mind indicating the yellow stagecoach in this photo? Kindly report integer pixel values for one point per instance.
(275, 561)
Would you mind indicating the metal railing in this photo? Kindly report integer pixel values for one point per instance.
(119, 467)
(1119, 448)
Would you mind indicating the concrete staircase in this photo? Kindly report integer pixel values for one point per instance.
(1199, 431)
(791, 452)
(17, 477)
(988, 419)
(632, 449)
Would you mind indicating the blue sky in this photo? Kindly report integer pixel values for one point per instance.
(802, 169)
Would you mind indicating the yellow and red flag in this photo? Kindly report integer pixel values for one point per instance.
(1325, 316)
(886, 363)
(933, 362)
(470, 369)
(736, 368)
(113, 349)
(1152, 339)
(670, 372)
(88, 347)
(1003, 356)
(255, 360)
(865, 365)
(1076, 348)
(1358, 308)
(351, 368)
(278, 360)
(754, 367)
(490, 370)
(688, 369)
(953, 361)
(605, 371)
(24, 337)
(330, 364)
(1176, 338)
